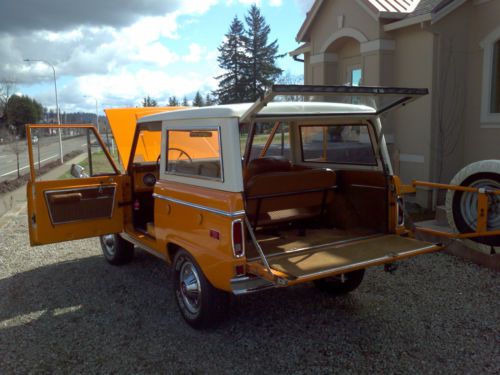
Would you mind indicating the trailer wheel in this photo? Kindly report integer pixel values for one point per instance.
(341, 284)
(116, 250)
(201, 305)
(461, 207)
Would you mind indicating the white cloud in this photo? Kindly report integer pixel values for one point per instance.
(128, 88)
(195, 52)
(273, 3)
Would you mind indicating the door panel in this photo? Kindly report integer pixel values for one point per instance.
(76, 204)
(72, 208)
(66, 210)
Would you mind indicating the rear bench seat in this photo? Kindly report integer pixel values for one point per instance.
(278, 192)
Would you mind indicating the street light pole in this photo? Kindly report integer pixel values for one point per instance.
(96, 112)
(57, 104)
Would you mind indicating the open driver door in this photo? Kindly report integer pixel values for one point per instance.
(87, 202)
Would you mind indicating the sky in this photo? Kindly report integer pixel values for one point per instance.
(119, 51)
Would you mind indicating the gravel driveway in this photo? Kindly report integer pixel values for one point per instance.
(64, 310)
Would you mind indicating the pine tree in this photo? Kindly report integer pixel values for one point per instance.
(232, 59)
(149, 102)
(261, 71)
(185, 102)
(198, 100)
(209, 100)
(173, 101)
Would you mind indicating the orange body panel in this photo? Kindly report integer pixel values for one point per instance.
(123, 122)
(189, 227)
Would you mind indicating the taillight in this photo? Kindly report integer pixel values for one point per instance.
(400, 212)
(238, 239)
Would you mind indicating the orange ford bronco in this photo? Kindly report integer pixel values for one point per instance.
(238, 198)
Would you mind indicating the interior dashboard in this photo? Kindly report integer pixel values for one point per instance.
(145, 176)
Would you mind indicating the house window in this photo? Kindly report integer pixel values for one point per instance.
(490, 99)
(495, 83)
(356, 75)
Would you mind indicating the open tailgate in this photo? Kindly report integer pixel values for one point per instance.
(302, 265)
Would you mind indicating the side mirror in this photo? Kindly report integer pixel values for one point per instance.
(78, 171)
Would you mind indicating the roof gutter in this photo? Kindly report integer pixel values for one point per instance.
(408, 22)
(304, 48)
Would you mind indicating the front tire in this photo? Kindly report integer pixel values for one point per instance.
(116, 250)
(201, 305)
(340, 284)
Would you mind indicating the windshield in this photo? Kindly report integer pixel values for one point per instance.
(148, 146)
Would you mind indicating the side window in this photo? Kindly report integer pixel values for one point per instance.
(194, 153)
(337, 144)
(495, 82)
(79, 144)
(271, 139)
(96, 161)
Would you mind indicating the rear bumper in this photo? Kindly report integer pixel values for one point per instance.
(247, 284)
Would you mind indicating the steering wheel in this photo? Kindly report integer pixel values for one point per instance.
(181, 152)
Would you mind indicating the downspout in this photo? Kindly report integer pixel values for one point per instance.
(436, 149)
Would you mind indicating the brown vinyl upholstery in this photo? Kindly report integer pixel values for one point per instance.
(285, 196)
(266, 165)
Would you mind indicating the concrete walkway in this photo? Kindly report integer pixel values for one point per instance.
(14, 203)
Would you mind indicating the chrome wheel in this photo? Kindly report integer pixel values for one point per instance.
(116, 250)
(468, 205)
(109, 244)
(190, 288)
(200, 304)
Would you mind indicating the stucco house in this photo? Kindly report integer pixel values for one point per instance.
(451, 47)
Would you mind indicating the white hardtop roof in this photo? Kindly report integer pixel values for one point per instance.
(272, 109)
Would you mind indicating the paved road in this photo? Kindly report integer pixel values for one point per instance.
(49, 151)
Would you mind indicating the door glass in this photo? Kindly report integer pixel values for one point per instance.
(79, 146)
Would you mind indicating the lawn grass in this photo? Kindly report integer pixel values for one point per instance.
(100, 164)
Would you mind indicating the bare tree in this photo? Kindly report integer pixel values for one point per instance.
(7, 88)
(17, 148)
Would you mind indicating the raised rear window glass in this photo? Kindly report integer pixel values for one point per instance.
(337, 144)
(194, 153)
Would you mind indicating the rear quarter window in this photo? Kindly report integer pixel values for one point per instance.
(337, 144)
(194, 153)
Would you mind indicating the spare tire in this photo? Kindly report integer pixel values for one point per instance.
(461, 207)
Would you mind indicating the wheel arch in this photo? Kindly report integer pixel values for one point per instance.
(214, 267)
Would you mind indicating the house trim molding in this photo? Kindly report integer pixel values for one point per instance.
(488, 119)
(323, 58)
(346, 32)
(378, 45)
